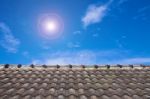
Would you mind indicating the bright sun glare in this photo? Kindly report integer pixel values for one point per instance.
(50, 26)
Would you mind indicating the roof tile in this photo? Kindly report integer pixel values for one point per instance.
(74, 83)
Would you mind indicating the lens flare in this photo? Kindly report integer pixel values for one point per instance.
(50, 26)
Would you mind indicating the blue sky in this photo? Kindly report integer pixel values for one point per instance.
(95, 32)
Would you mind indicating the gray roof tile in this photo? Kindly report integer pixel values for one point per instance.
(66, 83)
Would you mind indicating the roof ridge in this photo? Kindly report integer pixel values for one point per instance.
(76, 66)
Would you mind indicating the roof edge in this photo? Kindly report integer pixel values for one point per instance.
(117, 66)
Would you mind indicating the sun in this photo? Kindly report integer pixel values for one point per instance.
(50, 26)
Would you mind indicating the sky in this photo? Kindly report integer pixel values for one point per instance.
(90, 32)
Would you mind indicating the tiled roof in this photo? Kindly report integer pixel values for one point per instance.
(74, 82)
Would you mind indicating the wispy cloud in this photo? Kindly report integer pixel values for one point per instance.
(135, 60)
(45, 45)
(120, 41)
(7, 40)
(76, 32)
(143, 9)
(73, 45)
(141, 16)
(88, 57)
(95, 35)
(122, 1)
(95, 14)
(119, 44)
(142, 13)
(26, 54)
(68, 57)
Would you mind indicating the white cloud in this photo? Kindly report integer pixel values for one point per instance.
(135, 60)
(7, 40)
(73, 45)
(88, 57)
(95, 14)
(63, 58)
(79, 57)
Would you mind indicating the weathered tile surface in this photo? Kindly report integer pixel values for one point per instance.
(46, 83)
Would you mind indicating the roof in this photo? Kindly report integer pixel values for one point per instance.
(74, 82)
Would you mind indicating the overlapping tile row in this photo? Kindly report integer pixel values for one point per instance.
(44, 83)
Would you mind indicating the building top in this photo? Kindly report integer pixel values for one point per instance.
(74, 82)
